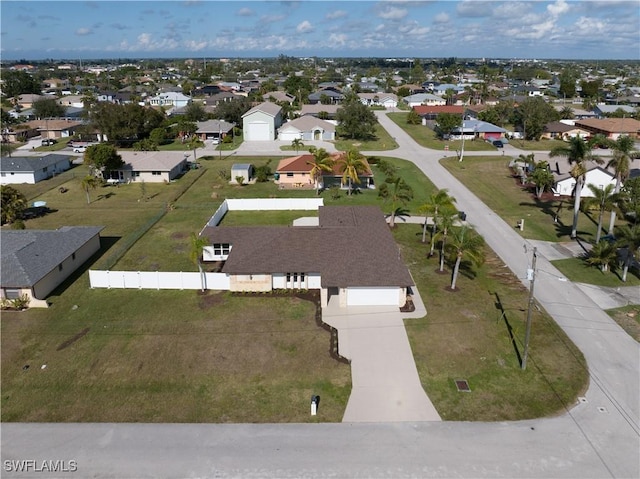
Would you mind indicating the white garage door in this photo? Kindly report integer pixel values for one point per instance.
(288, 135)
(373, 296)
(259, 132)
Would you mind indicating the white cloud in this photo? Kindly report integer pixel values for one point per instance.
(441, 17)
(271, 18)
(336, 14)
(338, 39)
(558, 8)
(393, 13)
(476, 8)
(304, 27)
(84, 31)
(244, 12)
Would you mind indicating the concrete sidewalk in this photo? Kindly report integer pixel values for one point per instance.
(385, 382)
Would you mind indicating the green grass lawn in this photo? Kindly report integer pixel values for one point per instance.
(628, 317)
(174, 356)
(381, 141)
(577, 270)
(476, 333)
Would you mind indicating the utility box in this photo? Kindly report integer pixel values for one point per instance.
(315, 401)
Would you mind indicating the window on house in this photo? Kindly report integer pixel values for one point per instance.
(156, 173)
(60, 267)
(290, 175)
(135, 173)
(44, 170)
(288, 277)
(295, 277)
(301, 276)
(221, 249)
(12, 293)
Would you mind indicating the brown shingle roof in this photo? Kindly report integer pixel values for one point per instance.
(352, 247)
(300, 164)
(435, 109)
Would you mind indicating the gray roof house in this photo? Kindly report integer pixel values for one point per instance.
(351, 257)
(261, 122)
(307, 128)
(31, 169)
(213, 129)
(35, 262)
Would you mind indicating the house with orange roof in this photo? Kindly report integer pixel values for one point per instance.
(295, 172)
(612, 128)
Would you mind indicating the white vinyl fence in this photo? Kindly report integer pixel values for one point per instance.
(157, 280)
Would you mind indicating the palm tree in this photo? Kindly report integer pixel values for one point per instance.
(542, 178)
(399, 194)
(195, 254)
(194, 143)
(465, 243)
(88, 183)
(437, 200)
(353, 164)
(322, 161)
(446, 219)
(529, 163)
(578, 152)
(297, 144)
(603, 199)
(620, 163)
(629, 237)
(603, 254)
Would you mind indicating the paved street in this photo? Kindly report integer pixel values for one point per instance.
(599, 437)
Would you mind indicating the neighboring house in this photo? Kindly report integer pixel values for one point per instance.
(27, 100)
(35, 262)
(295, 172)
(307, 128)
(20, 132)
(149, 166)
(424, 99)
(351, 257)
(562, 131)
(244, 170)
(211, 102)
(214, 129)
(444, 87)
(429, 113)
(71, 100)
(56, 129)
(529, 90)
(603, 110)
(170, 99)
(333, 95)
(282, 96)
(387, 100)
(612, 128)
(261, 122)
(319, 110)
(565, 184)
(478, 129)
(31, 169)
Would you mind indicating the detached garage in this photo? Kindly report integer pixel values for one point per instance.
(261, 122)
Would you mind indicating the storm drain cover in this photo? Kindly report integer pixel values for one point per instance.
(463, 386)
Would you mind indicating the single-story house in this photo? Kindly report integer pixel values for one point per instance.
(35, 262)
(332, 95)
(319, 110)
(244, 170)
(430, 113)
(351, 257)
(611, 128)
(282, 96)
(602, 110)
(478, 129)
(295, 172)
(428, 99)
(387, 100)
(261, 122)
(170, 99)
(307, 128)
(31, 169)
(561, 131)
(149, 166)
(213, 129)
(566, 184)
(58, 128)
(26, 100)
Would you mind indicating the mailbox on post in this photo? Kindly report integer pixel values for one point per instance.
(315, 400)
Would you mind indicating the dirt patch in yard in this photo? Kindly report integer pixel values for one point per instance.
(72, 340)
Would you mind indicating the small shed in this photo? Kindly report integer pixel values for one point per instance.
(241, 169)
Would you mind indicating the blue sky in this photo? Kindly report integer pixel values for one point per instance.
(607, 29)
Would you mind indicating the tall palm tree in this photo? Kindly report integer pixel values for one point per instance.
(446, 220)
(322, 161)
(603, 199)
(603, 254)
(542, 178)
(436, 201)
(297, 144)
(620, 163)
(398, 194)
(194, 143)
(353, 164)
(195, 254)
(629, 237)
(465, 243)
(88, 183)
(578, 152)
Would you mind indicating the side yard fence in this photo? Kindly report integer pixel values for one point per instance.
(157, 280)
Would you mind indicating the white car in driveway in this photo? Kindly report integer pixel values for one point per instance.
(80, 149)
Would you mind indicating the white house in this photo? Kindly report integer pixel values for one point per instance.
(261, 122)
(31, 169)
(387, 100)
(424, 99)
(170, 99)
(565, 184)
(307, 128)
(149, 166)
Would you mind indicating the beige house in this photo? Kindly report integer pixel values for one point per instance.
(149, 166)
(295, 172)
(612, 128)
(35, 262)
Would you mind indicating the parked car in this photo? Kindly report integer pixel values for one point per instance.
(49, 141)
(80, 149)
(498, 143)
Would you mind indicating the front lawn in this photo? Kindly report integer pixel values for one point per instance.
(628, 317)
(577, 270)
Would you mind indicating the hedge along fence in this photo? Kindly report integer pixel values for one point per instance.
(263, 204)
(158, 280)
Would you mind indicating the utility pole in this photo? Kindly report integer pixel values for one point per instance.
(462, 148)
(531, 276)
